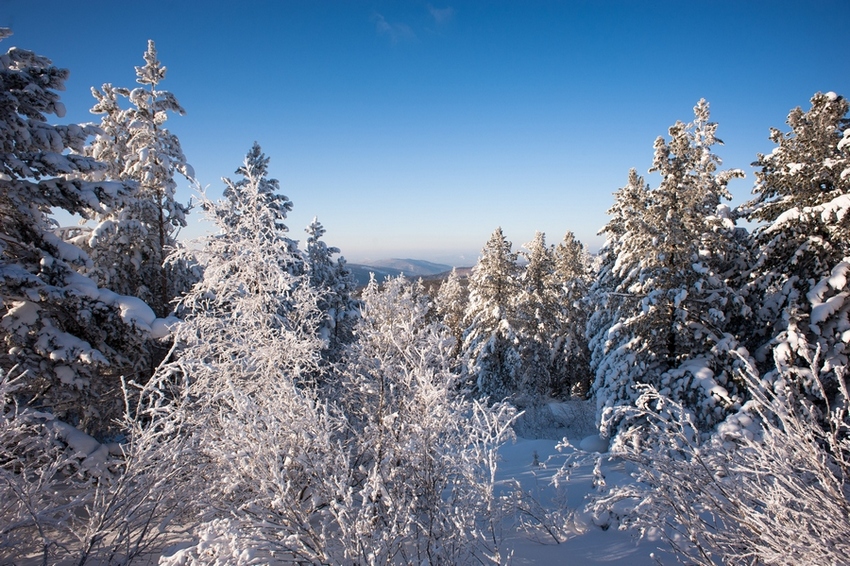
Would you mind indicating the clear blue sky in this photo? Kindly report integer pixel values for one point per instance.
(414, 129)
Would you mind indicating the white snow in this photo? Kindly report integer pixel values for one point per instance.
(92, 454)
(65, 374)
(845, 140)
(824, 310)
(162, 327)
(594, 443)
(25, 314)
(533, 463)
(788, 216)
(839, 206)
(794, 168)
(135, 310)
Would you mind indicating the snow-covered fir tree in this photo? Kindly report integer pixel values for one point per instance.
(672, 270)
(798, 282)
(57, 325)
(450, 306)
(269, 204)
(536, 316)
(490, 345)
(240, 381)
(252, 251)
(569, 372)
(335, 284)
(129, 245)
(605, 298)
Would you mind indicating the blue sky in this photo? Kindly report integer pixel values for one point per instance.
(414, 129)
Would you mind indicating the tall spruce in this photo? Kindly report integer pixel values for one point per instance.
(536, 315)
(605, 297)
(671, 283)
(569, 371)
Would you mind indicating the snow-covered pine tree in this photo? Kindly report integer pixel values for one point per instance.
(335, 284)
(798, 284)
(241, 383)
(605, 299)
(536, 316)
(490, 349)
(673, 266)
(450, 306)
(131, 241)
(252, 258)
(57, 325)
(569, 371)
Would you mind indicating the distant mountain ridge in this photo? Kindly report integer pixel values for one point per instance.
(413, 268)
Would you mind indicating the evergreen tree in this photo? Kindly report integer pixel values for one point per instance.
(239, 386)
(490, 345)
(269, 203)
(570, 357)
(252, 250)
(450, 305)
(798, 283)
(674, 264)
(131, 241)
(606, 299)
(536, 315)
(335, 284)
(59, 326)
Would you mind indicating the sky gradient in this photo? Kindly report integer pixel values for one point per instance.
(414, 129)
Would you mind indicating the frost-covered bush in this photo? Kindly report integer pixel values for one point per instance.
(65, 497)
(422, 489)
(769, 486)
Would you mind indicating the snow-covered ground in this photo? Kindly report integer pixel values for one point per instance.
(534, 461)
